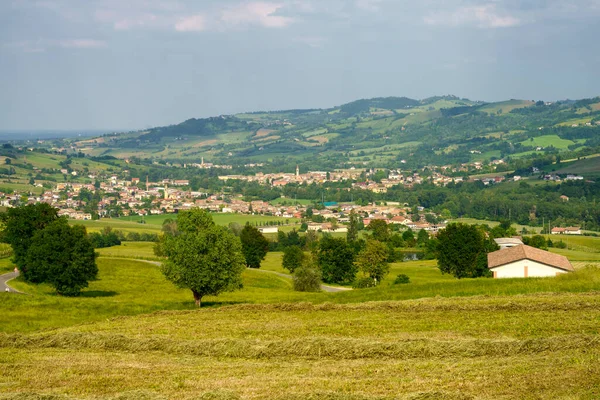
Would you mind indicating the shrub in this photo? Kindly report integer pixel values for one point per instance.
(307, 278)
(401, 279)
(364, 283)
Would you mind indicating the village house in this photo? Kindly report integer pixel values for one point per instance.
(524, 261)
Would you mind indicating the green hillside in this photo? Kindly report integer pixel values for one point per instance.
(379, 132)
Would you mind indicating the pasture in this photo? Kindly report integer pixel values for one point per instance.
(219, 218)
(484, 347)
(134, 335)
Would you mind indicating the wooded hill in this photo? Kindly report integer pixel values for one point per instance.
(379, 132)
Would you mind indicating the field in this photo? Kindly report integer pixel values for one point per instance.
(590, 166)
(489, 346)
(547, 141)
(219, 218)
(133, 335)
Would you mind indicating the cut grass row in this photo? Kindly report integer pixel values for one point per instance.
(481, 347)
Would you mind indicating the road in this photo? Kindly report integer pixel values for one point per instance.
(3, 282)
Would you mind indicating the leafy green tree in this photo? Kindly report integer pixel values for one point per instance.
(462, 250)
(292, 258)
(409, 237)
(254, 246)
(169, 227)
(380, 229)
(20, 225)
(422, 238)
(62, 256)
(537, 241)
(352, 233)
(307, 278)
(204, 257)
(372, 260)
(336, 260)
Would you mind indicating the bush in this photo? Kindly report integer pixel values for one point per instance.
(401, 279)
(560, 245)
(307, 278)
(364, 283)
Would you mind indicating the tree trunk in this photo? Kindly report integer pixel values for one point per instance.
(197, 298)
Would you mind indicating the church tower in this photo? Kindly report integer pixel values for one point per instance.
(297, 170)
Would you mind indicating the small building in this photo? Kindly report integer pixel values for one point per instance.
(505, 243)
(268, 229)
(525, 262)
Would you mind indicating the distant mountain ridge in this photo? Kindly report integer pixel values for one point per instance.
(379, 131)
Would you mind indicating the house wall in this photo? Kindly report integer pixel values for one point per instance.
(517, 270)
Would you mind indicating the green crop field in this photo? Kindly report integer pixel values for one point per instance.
(219, 218)
(548, 140)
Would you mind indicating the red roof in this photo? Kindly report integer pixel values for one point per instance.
(521, 252)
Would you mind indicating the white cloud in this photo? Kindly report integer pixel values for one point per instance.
(485, 16)
(255, 13)
(194, 23)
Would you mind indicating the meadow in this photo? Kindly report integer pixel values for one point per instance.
(133, 335)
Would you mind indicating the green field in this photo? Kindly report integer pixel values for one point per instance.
(547, 141)
(486, 347)
(589, 166)
(219, 218)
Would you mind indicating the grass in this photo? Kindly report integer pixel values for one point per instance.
(465, 348)
(549, 140)
(133, 335)
(219, 218)
(140, 250)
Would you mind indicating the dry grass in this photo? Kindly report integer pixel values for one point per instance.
(464, 348)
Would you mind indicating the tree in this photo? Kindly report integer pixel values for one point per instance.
(372, 260)
(21, 224)
(292, 258)
(422, 238)
(204, 257)
(169, 227)
(380, 229)
(62, 256)
(235, 228)
(352, 233)
(409, 237)
(254, 246)
(462, 251)
(336, 260)
(307, 278)
(537, 241)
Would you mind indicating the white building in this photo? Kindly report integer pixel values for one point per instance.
(525, 261)
(505, 243)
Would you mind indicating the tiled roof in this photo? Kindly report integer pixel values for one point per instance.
(517, 253)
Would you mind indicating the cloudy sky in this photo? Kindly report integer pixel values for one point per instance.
(131, 64)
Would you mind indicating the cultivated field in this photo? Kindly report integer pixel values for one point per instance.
(133, 335)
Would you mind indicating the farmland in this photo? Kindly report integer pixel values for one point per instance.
(435, 337)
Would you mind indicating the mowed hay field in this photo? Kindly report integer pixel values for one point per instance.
(541, 346)
(133, 335)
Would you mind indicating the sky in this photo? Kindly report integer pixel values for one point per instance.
(134, 64)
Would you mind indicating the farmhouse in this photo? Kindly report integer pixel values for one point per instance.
(525, 261)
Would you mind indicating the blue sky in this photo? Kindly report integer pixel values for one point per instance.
(132, 64)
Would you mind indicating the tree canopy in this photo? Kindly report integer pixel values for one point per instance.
(254, 246)
(336, 260)
(462, 251)
(62, 256)
(20, 224)
(372, 260)
(292, 258)
(204, 257)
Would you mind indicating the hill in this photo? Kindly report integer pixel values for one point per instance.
(378, 132)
